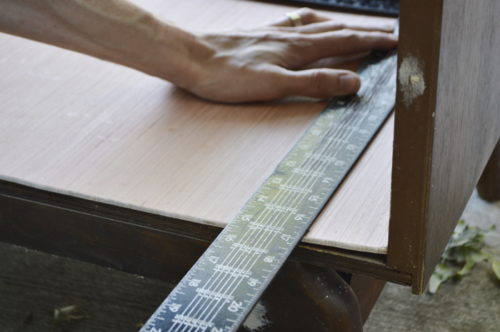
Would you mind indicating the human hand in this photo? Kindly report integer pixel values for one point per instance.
(239, 66)
(269, 62)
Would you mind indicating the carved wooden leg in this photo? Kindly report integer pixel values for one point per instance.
(489, 183)
(307, 298)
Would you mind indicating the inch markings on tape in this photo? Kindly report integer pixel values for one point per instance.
(222, 287)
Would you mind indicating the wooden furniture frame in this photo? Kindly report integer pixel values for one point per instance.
(444, 134)
(447, 125)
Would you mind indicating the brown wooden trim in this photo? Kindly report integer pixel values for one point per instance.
(420, 26)
(352, 262)
(135, 241)
(99, 239)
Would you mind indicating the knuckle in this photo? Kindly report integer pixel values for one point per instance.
(307, 15)
(339, 25)
(271, 36)
(280, 83)
(318, 80)
(266, 36)
(298, 41)
(351, 36)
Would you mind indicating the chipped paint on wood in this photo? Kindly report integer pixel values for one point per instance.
(411, 79)
(257, 319)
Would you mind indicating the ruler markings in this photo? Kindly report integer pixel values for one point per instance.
(324, 148)
(265, 239)
(254, 245)
(304, 175)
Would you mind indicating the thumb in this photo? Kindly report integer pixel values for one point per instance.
(320, 83)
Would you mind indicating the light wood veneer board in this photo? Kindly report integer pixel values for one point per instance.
(77, 125)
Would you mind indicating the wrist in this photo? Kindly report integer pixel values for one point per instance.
(177, 56)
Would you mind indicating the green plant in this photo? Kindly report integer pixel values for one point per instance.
(465, 249)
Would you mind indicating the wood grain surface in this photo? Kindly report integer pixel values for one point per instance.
(76, 125)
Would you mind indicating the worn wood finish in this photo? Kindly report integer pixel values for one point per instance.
(489, 183)
(445, 133)
(413, 134)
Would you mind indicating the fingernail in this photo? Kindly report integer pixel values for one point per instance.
(349, 83)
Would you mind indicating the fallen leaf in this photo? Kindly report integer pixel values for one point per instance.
(442, 273)
(463, 251)
(495, 265)
(68, 314)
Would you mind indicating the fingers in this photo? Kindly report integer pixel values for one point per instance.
(307, 16)
(331, 25)
(318, 83)
(338, 43)
(352, 41)
(349, 62)
(321, 37)
(267, 82)
(314, 22)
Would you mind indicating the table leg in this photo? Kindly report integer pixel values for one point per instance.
(304, 297)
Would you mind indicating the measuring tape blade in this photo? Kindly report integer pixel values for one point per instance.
(222, 287)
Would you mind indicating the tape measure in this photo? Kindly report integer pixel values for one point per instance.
(222, 287)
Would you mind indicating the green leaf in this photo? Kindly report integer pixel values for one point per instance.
(460, 227)
(465, 249)
(480, 257)
(442, 273)
(434, 282)
(495, 265)
(466, 268)
(470, 262)
(68, 314)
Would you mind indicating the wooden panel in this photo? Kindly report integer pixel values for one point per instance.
(357, 217)
(467, 115)
(76, 125)
(444, 134)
